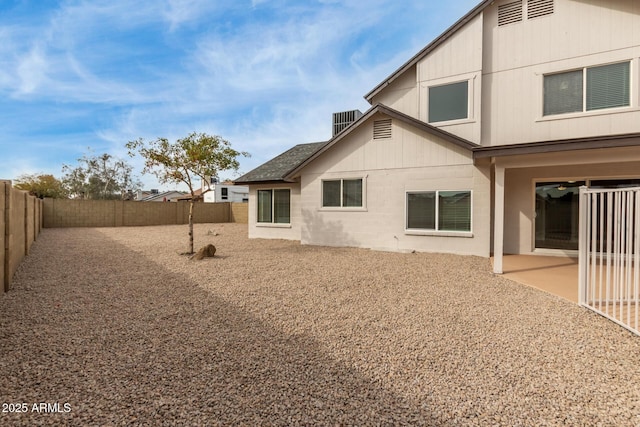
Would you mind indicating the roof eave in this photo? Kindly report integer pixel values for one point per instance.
(573, 144)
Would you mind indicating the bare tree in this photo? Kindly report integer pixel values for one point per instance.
(197, 156)
(99, 177)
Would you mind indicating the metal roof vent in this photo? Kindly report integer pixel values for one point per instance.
(382, 129)
(342, 120)
(536, 8)
(510, 13)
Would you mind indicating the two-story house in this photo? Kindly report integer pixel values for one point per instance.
(476, 145)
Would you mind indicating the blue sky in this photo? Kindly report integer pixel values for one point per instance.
(263, 74)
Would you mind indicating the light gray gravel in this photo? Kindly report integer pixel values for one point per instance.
(115, 323)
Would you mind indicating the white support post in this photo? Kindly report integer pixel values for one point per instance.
(498, 220)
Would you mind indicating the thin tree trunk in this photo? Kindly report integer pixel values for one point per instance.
(191, 226)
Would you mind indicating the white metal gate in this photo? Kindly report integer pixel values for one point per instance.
(609, 264)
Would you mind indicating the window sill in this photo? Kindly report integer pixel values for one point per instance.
(446, 123)
(466, 234)
(272, 225)
(337, 209)
(603, 112)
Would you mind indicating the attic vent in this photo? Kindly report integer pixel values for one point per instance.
(344, 119)
(537, 8)
(382, 129)
(510, 13)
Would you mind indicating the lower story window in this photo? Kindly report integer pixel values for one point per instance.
(439, 210)
(274, 206)
(346, 193)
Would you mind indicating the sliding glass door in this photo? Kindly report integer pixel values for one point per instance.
(557, 215)
(557, 210)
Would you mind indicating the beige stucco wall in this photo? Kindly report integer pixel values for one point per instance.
(516, 56)
(275, 231)
(520, 187)
(411, 160)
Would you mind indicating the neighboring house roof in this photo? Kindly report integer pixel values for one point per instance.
(161, 196)
(187, 196)
(380, 108)
(429, 48)
(278, 168)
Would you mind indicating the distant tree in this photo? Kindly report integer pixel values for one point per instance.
(99, 177)
(196, 156)
(41, 185)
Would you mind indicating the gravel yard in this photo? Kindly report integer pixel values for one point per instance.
(118, 326)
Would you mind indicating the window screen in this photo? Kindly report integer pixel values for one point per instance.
(449, 102)
(421, 210)
(331, 193)
(264, 205)
(281, 206)
(608, 86)
(563, 93)
(352, 193)
(454, 210)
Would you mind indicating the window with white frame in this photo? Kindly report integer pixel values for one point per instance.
(342, 193)
(588, 89)
(439, 210)
(274, 206)
(449, 102)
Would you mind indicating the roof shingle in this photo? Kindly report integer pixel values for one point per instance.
(278, 168)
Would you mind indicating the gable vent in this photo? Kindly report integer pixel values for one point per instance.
(510, 13)
(537, 8)
(382, 129)
(342, 120)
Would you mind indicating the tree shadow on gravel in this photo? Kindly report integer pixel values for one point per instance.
(125, 341)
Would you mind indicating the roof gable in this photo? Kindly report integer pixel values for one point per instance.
(429, 48)
(380, 108)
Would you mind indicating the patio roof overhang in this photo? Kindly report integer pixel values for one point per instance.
(554, 146)
(607, 148)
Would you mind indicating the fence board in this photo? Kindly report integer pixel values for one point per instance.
(20, 223)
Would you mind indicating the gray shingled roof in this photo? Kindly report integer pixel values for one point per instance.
(277, 168)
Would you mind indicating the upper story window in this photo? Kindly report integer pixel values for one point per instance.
(274, 206)
(342, 193)
(588, 89)
(449, 102)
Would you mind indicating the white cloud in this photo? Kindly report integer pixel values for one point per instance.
(31, 71)
(264, 74)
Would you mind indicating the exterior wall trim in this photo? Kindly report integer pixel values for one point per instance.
(605, 141)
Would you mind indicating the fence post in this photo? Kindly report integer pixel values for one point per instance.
(583, 245)
(25, 222)
(6, 203)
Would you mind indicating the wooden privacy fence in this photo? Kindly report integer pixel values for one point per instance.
(20, 224)
(118, 213)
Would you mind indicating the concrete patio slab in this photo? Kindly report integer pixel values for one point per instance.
(552, 274)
